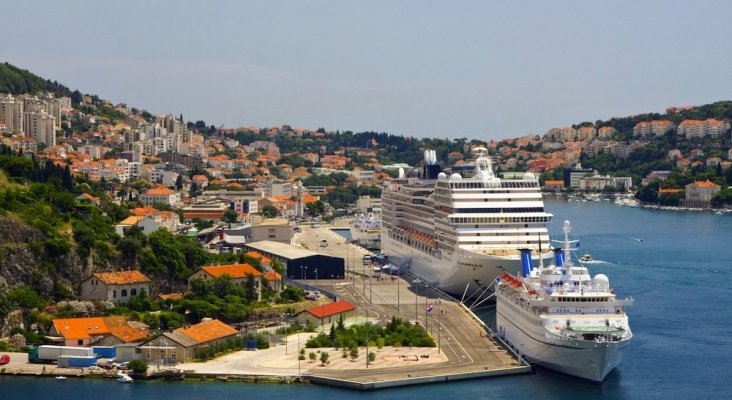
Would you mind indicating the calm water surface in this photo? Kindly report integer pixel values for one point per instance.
(680, 276)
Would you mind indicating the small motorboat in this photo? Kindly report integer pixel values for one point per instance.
(586, 257)
(60, 378)
(124, 378)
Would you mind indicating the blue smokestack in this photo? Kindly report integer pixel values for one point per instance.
(526, 262)
(559, 257)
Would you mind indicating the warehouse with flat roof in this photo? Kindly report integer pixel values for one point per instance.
(301, 263)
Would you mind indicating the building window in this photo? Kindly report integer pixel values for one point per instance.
(80, 342)
(133, 292)
(124, 292)
(271, 236)
(114, 294)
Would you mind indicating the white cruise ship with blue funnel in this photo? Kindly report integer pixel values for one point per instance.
(562, 319)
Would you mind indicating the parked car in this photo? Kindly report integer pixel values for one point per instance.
(314, 295)
(4, 359)
(122, 365)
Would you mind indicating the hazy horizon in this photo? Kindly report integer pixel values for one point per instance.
(429, 69)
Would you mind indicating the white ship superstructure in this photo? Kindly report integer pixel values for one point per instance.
(366, 230)
(561, 318)
(460, 233)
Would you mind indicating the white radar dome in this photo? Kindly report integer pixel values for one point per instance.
(529, 175)
(601, 281)
(456, 177)
(441, 175)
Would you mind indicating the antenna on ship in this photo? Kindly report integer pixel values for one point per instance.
(483, 165)
(566, 228)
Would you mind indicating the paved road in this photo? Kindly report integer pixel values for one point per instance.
(460, 338)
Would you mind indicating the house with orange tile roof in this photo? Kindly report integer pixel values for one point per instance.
(326, 314)
(182, 344)
(699, 194)
(238, 273)
(79, 331)
(273, 280)
(265, 261)
(554, 185)
(117, 287)
(123, 331)
(86, 198)
(161, 195)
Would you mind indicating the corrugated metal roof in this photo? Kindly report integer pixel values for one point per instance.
(180, 338)
(281, 249)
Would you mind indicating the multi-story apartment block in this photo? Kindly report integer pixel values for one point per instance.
(606, 132)
(586, 133)
(11, 113)
(572, 175)
(654, 128)
(691, 128)
(41, 126)
(569, 134)
(602, 182)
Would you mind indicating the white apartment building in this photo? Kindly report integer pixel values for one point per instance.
(41, 126)
(11, 113)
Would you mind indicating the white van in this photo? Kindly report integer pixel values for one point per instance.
(323, 242)
(376, 272)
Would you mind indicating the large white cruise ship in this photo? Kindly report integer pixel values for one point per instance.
(560, 318)
(460, 233)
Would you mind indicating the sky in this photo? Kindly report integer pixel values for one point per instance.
(442, 69)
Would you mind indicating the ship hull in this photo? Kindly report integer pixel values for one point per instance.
(589, 360)
(463, 273)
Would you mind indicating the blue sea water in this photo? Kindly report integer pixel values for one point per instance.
(680, 276)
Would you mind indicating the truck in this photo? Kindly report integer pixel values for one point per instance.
(49, 353)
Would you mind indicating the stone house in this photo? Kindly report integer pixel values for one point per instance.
(182, 344)
(117, 287)
(237, 272)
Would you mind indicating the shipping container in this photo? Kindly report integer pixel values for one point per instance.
(76, 361)
(105, 351)
(52, 353)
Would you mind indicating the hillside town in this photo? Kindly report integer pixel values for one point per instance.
(233, 200)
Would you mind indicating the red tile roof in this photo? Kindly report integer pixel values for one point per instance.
(234, 271)
(128, 334)
(122, 277)
(326, 310)
(159, 191)
(208, 331)
(272, 276)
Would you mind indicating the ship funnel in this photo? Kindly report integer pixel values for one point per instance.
(559, 257)
(526, 262)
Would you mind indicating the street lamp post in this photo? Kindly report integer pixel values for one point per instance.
(416, 283)
(426, 305)
(439, 326)
(316, 277)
